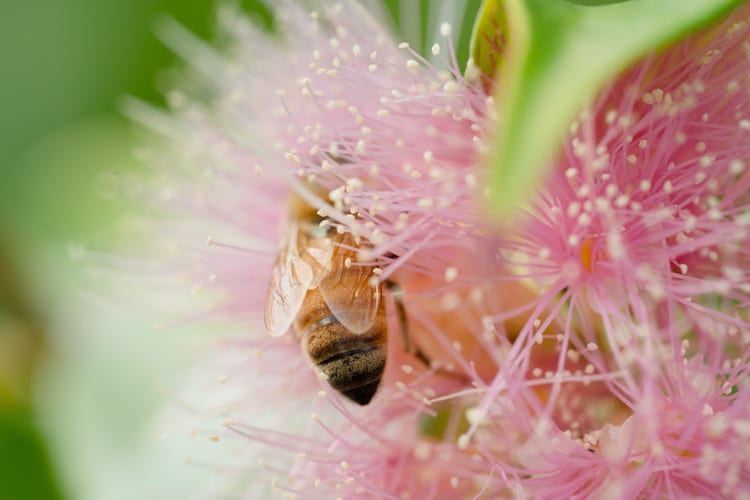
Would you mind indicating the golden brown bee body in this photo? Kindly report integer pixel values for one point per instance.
(333, 303)
(353, 363)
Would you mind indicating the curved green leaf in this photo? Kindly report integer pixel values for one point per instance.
(558, 54)
(488, 37)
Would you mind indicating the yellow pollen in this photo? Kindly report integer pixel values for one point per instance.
(587, 252)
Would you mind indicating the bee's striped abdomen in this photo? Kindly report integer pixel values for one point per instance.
(353, 363)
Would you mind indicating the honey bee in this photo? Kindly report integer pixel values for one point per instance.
(335, 305)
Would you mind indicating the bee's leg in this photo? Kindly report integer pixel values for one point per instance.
(411, 347)
(397, 293)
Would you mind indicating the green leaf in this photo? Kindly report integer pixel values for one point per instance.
(558, 55)
(487, 37)
(24, 459)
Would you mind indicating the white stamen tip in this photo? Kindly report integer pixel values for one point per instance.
(463, 441)
(451, 273)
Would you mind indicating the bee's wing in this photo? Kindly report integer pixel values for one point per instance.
(349, 293)
(291, 277)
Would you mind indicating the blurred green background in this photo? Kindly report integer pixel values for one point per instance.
(65, 64)
(72, 374)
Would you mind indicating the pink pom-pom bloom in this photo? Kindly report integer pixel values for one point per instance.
(598, 347)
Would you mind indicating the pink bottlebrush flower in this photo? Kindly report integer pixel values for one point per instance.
(598, 347)
(641, 235)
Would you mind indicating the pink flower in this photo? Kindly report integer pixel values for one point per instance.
(641, 236)
(595, 348)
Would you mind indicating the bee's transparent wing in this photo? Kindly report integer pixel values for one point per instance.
(349, 292)
(293, 274)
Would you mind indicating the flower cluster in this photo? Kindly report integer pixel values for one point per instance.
(597, 346)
